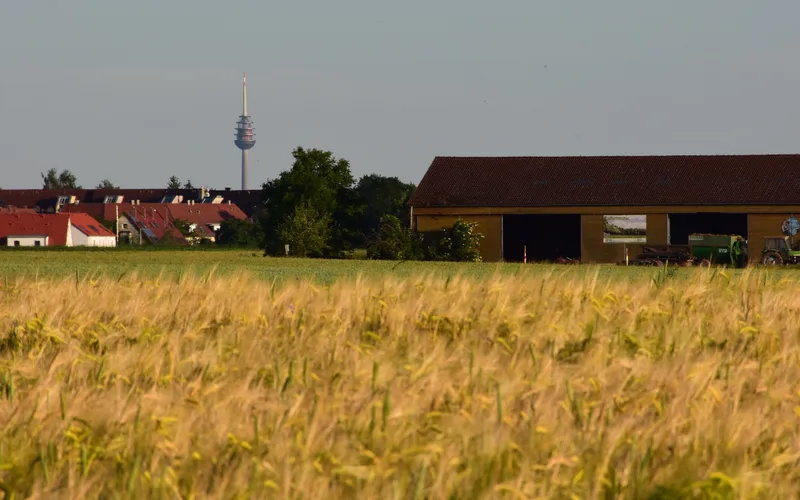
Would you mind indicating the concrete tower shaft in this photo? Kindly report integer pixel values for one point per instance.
(245, 133)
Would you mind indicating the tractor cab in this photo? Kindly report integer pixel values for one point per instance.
(777, 252)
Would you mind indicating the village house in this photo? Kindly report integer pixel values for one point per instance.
(181, 222)
(54, 200)
(24, 229)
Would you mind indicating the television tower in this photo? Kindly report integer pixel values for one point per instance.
(245, 137)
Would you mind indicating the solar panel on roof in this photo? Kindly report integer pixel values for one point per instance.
(149, 233)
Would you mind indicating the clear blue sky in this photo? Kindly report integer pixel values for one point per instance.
(138, 91)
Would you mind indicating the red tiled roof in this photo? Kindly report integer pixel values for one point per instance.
(205, 213)
(99, 211)
(88, 225)
(55, 226)
(158, 217)
(200, 213)
(610, 180)
(155, 221)
(15, 210)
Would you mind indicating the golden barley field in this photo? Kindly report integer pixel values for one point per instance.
(546, 386)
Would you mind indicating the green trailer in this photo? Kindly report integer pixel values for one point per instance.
(720, 249)
(703, 249)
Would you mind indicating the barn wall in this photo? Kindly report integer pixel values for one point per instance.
(490, 226)
(593, 250)
(763, 221)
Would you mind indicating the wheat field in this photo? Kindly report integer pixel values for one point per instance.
(548, 386)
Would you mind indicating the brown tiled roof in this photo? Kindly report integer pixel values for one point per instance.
(248, 201)
(610, 180)
(45, 198)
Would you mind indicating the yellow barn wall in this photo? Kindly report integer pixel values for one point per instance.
(593, 250)
(490, 226)
(763, 221)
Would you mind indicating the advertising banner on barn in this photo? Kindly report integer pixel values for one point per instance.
(624, 229)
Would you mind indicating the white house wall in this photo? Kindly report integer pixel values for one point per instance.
(102, 241)
(27, 241)
(78, 239)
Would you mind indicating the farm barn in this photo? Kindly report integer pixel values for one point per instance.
(593, 208)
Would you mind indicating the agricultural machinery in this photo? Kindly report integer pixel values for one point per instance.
(778, 252)
(703, 249)
(782, 250)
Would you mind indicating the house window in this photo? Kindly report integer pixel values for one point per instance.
(124, 226)
(16, 243)
(37, 243)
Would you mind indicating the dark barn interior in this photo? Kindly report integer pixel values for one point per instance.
(682, 225)
(547, 237)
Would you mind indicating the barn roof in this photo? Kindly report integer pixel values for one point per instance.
(610, 180)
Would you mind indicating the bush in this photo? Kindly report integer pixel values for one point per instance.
(394, 241)
(460, 243)
(465, 242)
(306, 231)
(240, 233)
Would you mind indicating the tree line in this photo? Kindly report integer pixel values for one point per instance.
(318, 209)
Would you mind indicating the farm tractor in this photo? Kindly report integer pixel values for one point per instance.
(703, 249)
(778, 252)
(782, 250)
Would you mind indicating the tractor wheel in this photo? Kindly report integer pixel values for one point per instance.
(772, 259)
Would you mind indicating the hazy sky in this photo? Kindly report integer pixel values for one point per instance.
(138, 91)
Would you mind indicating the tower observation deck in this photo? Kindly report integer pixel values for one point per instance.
(245, 133)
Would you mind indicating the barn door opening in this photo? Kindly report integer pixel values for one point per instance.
(546, 237)
(682, 225)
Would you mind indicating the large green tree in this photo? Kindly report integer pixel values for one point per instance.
(65, 180)
(320, 183)
(380, 196)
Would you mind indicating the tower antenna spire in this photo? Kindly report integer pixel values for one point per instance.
(245, 135)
